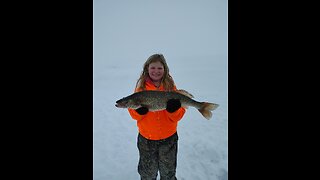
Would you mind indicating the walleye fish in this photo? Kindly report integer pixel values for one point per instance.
(157, 100)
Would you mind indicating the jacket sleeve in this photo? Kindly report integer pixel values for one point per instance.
(133, 113)
(177, 115)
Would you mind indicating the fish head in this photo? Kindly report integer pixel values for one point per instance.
(127, 103)
(122, 103)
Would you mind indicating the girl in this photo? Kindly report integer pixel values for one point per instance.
(157, 139)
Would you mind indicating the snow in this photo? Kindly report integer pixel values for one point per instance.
(192, 36)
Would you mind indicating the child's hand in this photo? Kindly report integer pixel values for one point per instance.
(142, 110)
(173, 105)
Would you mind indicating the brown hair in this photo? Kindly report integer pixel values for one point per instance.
(166, 80)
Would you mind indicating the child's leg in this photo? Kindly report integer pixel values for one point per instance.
(168, 158)
(148, 162)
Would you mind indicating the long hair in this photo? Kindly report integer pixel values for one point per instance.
(166, 80)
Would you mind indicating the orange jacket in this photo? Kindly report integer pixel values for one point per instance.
(159, 124)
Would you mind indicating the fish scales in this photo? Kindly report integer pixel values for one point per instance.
(157, 100)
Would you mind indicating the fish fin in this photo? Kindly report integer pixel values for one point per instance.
(144, 105)
(184, 92)
(137, 104)
(186, 107)
(206, 109)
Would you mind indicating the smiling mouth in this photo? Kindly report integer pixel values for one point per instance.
(156, 76)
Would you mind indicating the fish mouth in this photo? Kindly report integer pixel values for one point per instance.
(119, 105)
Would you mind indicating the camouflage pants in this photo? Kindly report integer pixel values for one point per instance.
(158, 155)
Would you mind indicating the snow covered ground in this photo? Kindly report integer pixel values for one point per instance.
(192, 36)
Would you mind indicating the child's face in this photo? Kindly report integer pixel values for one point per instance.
(156, 71)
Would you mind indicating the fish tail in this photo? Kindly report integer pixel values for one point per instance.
(206, 109)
